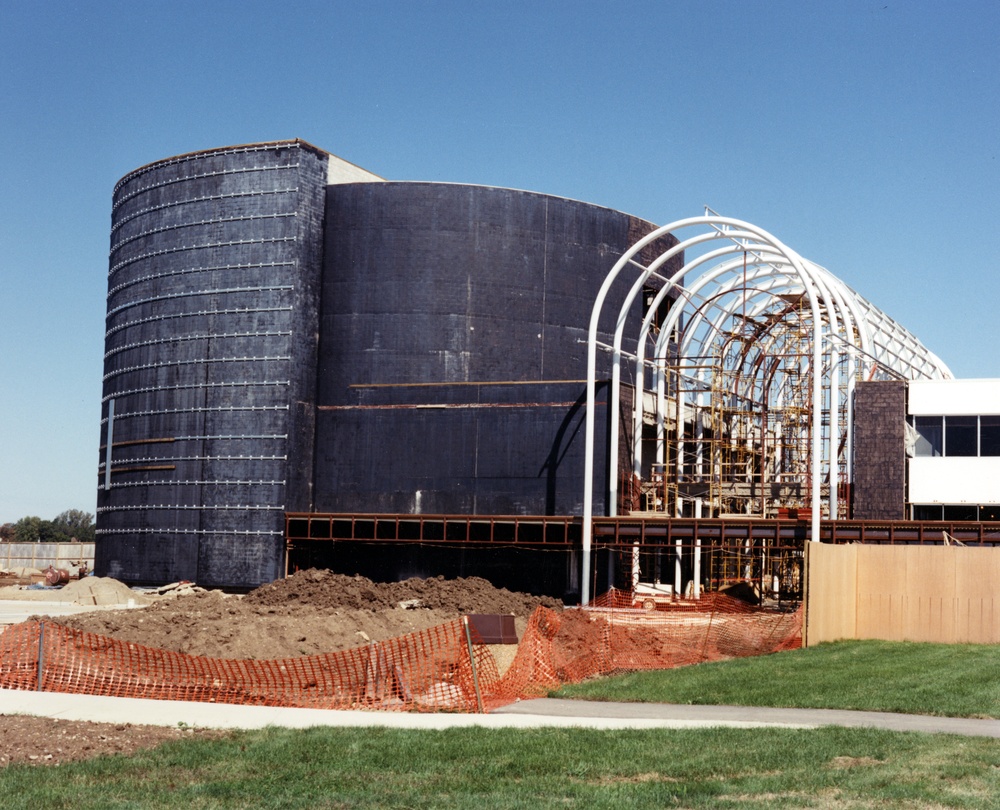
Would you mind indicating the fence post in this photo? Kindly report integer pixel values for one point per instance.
(472, 661)
(41, 654)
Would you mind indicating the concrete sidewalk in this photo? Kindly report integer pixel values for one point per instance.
(15, 611)
(582, 710)
(541, 713)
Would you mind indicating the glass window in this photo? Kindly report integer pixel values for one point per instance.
(961, 436)
(929, 435)
(989, 511)
(989, 435)
(927, 511)
(960, 511)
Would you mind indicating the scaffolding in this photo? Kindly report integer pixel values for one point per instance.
(744, 448)
(752, 371)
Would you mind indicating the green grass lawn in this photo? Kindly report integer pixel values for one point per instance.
(953, 680)
(550, 768)
(579, 768)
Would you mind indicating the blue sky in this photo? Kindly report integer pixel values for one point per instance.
(864, 135)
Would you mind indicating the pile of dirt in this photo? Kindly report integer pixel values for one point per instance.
(86, 592)
(324, 590)
(100, 591)
(310, 612)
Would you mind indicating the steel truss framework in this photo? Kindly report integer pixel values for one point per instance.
(744, 387)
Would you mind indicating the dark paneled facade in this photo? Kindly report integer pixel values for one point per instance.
(452, 348)
(879, 454)
(275, 343)
(210, 365)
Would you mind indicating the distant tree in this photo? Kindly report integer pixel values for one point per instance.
(67, 526)
(7, 533)
(28, 530)
(49, 532)
(75, 523)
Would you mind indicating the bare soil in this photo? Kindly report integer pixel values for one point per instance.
(45, 741)
(310, 612)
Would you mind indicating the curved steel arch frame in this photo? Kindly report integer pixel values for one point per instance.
(778, 328)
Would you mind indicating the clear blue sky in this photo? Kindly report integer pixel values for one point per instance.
(865, 135)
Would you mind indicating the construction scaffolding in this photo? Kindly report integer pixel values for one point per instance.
(743, 448)
(744, 373)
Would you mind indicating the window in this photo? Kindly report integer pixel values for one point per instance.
(989, 435)
(984, 513)
(929, 435)
(927, 511)
(960, 511)
(990, 511)
(955, 435)
(648, 296)
(961, 436)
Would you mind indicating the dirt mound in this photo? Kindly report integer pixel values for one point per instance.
(325, 590)
(48, 741)
(100, 591)
(310, 612)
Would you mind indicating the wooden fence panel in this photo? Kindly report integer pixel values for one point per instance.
(939, 594)
(831, 604)
(42, 555)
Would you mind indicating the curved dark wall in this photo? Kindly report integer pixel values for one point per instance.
(452, 348)
(275, 343)
(213, 296)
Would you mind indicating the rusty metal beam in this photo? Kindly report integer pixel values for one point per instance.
(565, 531)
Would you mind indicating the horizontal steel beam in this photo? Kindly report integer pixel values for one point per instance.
(609, 533)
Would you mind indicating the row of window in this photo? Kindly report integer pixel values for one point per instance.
(955, 511)
(956, 435)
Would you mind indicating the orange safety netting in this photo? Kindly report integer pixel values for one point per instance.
(425, 671)
(444, 668)
(611, 636)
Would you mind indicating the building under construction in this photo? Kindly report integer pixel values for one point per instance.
(307, 364)
(287, 333)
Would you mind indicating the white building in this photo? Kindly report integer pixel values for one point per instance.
(953, 450)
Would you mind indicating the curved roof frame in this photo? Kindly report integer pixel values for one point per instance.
(739, 280)
(744, 303)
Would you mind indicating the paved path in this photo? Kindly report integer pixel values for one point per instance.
(15, 611)
(541, 713)
(666, 713)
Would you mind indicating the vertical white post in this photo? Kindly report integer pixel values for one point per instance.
(678, 592)
(616, 363)
(817, 415)
(697, 567)
(107, 449)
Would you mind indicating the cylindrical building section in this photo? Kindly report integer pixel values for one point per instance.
(452, 352)
(210, 364)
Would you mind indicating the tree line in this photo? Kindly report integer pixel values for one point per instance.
(71, 526)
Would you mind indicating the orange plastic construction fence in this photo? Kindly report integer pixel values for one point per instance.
(444, 668)
(611, 636)
(426, 671)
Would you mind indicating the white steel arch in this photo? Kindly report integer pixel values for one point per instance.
(760, 349)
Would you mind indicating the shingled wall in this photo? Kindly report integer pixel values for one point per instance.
(879, 450)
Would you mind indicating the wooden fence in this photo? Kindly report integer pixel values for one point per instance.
(42, 555)
(948, 594)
